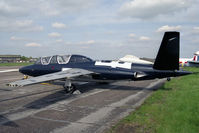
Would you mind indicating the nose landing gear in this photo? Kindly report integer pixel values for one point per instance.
(69, 87)
(25, 77)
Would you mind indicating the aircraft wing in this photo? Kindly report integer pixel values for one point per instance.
(69, 73)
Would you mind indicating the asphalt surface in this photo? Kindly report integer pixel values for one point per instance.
(44, 108)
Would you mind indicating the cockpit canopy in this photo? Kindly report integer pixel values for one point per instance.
(62, 59)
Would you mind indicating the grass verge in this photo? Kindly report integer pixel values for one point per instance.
(15, 64)
(174, 108)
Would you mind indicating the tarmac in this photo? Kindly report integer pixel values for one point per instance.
(46, 108)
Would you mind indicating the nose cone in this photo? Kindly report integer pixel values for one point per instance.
(25, 70)
(21, 70)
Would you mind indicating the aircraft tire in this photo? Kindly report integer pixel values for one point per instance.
(168, 79)
(70, 89)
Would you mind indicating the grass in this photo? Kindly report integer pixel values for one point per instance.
(15, 64)
(174, 108)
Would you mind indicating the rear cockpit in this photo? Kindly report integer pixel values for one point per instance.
(62, 59)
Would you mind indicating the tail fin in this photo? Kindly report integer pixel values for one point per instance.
(168, 54)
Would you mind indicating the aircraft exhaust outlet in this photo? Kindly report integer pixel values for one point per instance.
(139, 75)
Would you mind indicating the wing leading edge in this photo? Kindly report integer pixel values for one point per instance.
(70, 73)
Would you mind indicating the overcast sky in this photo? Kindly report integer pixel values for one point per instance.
(101, 29)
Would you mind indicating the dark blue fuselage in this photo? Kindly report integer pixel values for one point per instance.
(136, 72)
(166, 64)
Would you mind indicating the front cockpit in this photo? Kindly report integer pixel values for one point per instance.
(62, 59)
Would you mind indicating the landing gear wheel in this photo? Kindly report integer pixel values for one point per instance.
(70, 89)
(168, 79)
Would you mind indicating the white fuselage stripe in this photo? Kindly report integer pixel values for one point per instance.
(114, 64)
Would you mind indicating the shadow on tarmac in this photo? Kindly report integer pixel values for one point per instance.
(62, 95)
(7, 122)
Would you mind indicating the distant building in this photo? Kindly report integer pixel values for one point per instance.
(9, 58)
(33, 59)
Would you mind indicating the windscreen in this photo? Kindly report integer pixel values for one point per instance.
(45, 60)
(63, 59)
(60, 59)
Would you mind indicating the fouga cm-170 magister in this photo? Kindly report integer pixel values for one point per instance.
(80, 68)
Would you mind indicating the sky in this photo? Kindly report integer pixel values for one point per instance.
(100, 29)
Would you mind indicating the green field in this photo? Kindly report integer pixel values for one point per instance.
(15, 64)
(174, 108)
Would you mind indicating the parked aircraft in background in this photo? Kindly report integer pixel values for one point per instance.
(80, 68)
(134, 59)
(184, 61)
(195, 60)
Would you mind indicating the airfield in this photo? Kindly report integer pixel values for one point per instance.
(47, 108)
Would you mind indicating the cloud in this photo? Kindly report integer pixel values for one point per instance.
(144, 38)
(24, 23)
(58, 25)
(87, 42)
(59, 40)
(195, 30)
(8, 8)
(33, 44)
(59, 7)
(151, 8)
(24, 8)
(73, 5)
(54, 34)
(20, 26)
(14, 38)
(169, 28)
(131, 35)
(27, 25)
(89, 21)
(90, 42)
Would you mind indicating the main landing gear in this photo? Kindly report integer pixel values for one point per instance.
(69, 87)
(168, 79)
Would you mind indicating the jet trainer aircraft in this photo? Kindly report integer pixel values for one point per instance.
(80, 68)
